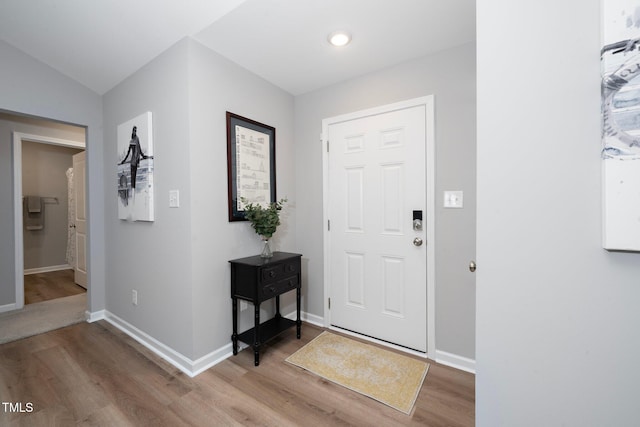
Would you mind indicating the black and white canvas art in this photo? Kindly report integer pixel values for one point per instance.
(620, 61)
(135, 169)
(620, 56)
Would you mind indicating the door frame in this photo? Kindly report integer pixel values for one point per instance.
(18, 137)
(430, 164)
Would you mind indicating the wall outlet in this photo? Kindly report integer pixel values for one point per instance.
(134, 297)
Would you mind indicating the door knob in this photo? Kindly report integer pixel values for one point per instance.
(417, 241)
(472, 266)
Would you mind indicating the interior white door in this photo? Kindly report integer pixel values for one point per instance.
(80, 220)
(378, 261)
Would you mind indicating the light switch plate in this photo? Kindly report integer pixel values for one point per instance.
(174, 199)
(453, 199)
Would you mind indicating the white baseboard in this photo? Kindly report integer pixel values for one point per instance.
(7, 307)
(455, 361)
(212, 359)
(167, 353)
(94, 316)
(307, 317)
(185, 364)
(48, 269)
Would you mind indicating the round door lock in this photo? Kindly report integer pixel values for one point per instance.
(417, 241)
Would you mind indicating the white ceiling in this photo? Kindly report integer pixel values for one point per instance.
(101, 42)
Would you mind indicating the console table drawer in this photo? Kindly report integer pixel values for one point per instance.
(276, 272)
(281, 286)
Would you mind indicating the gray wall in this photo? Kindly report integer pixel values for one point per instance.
(215, 86)
(153, 258)
(450, 77)
(557, 316)
(44, 168)
(179, 263)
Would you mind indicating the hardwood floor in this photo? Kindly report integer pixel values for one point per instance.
(93, 374)
(51, 285)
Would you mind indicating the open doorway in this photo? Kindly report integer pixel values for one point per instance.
(45, 198)
(19, 320)
(50, 175)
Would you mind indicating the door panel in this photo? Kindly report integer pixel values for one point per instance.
(376, 179)
(80, 220)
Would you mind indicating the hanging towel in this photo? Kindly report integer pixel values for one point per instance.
(71, 214)
(33, 220)
(34, 203)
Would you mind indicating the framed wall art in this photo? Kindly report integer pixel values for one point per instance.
(251, 164)
(135, 169)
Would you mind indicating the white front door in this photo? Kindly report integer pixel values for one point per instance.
(80, 220)
(377, 258)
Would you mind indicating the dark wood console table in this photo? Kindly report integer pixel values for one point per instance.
(256, 280)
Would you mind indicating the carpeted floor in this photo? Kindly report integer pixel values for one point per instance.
(42, 317)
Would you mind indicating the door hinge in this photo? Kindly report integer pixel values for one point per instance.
(329, 303)
(327, 145)
(328, 225)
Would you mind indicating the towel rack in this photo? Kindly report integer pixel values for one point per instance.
(49, 200)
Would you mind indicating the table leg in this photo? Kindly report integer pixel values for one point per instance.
(234, 336)
(256, 334)
(277, 307)
(298, 321)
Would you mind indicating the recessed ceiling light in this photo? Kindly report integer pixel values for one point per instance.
(339, 38)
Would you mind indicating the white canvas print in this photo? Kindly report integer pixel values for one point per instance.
(620, 59)
(135, 169)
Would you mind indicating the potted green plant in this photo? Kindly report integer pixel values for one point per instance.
(264, 220)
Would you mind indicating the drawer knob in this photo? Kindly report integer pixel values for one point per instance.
(272, 273)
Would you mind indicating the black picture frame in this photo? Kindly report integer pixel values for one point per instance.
(251, 163)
